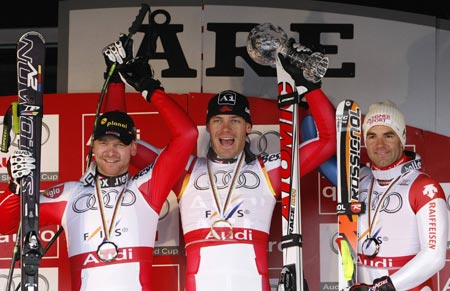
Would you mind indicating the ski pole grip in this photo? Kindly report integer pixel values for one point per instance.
(137, 22)
(6, 139)
(15, 117)
(131, 31)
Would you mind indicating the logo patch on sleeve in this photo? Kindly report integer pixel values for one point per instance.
(54, 192)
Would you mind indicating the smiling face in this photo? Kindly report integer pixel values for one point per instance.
(228, 134)
(113, 156)
(384, 146)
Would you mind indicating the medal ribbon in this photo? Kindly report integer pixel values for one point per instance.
(98, 191)
(380, 202)
(232, 185)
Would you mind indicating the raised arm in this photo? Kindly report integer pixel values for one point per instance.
(316, 151)
(19, 165)
(172, 160)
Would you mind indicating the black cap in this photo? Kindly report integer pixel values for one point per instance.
(118, 124)
(229, 102)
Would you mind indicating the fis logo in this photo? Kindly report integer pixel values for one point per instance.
(236, 213)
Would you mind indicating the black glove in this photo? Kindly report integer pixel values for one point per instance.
(294, 71)
(380, 284)
(118, 54)
(138, 74)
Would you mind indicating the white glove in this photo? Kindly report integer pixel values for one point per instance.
(117, 53)
(22, 163)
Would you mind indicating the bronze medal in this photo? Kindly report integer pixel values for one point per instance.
(107, 251)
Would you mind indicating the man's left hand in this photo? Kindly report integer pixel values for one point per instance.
(117, 53)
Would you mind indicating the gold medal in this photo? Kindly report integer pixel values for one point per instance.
(107, 251)
(222, 229)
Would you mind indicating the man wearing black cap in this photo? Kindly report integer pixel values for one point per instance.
(229, 107)
(114, 129)
(110, 220)
(227, 198)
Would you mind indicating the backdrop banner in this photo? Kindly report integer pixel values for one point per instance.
(68, 123)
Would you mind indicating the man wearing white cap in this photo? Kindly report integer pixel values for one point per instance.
(403, 233)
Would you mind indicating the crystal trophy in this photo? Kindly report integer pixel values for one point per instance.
(266, 40)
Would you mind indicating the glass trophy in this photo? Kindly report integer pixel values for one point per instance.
(266, 40)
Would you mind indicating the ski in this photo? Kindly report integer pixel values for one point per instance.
(30, 82)
(291, 277)
(348, 130)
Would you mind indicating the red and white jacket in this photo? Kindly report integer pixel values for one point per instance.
(407, 215)
(74, 205)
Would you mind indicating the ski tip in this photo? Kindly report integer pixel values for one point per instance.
(347, 102)
(345, 105)
(32, 33)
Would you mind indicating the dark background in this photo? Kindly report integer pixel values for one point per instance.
(45, 13)
(40, 14)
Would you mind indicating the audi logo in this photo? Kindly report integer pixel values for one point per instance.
(222, 179)
(88, 201)
(263, 143)
(391, 203)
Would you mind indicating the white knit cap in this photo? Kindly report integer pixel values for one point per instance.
(385, 113)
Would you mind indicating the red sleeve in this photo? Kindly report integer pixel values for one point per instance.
(115, 98)
(171, 163)
(146, 154)
(9, 212)
(314, 152)
(317, 151)
(423, 190)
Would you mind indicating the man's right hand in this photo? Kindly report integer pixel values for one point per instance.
(22, 162)
(303, 85)
(117, 53)
(138, 74)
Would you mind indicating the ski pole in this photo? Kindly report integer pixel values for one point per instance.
(131, 31)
